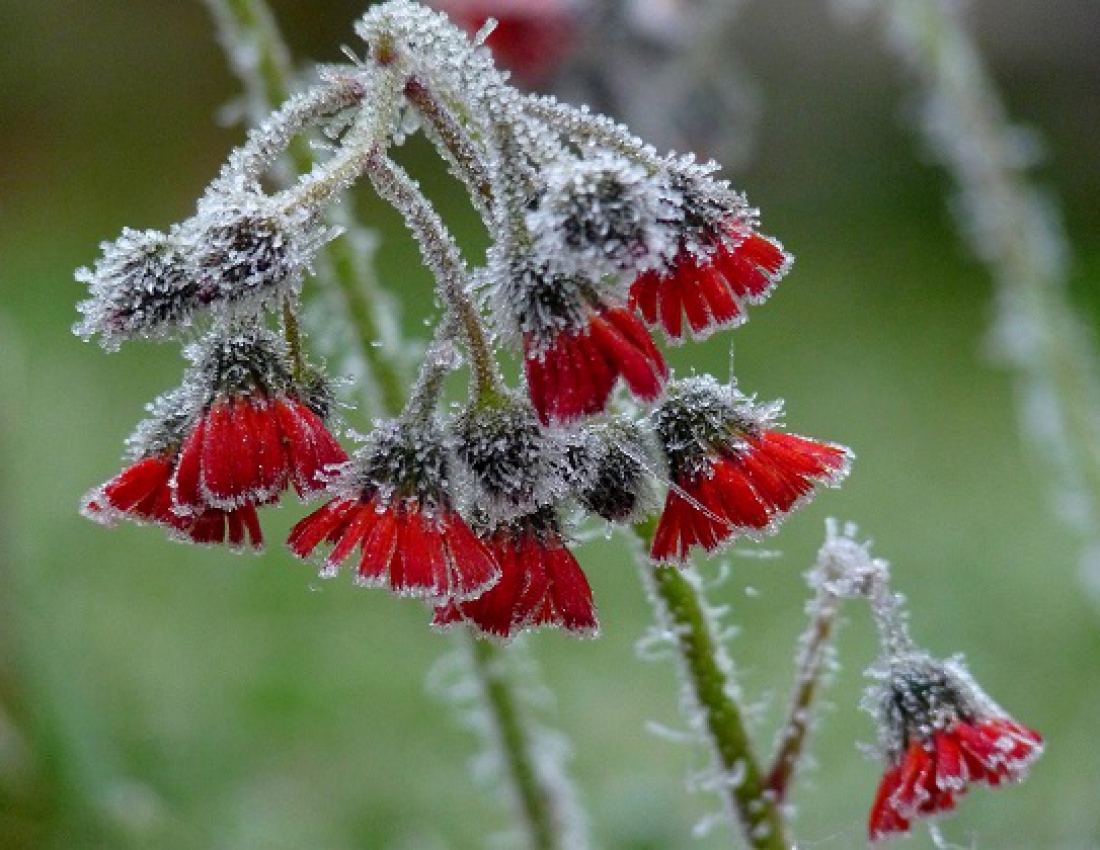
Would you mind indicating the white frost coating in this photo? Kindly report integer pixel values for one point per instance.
(604, 215)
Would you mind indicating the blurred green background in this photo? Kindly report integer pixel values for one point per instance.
(154, 695)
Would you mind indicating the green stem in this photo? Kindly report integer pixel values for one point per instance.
(247, 28)
(535, 797)
(682, 609)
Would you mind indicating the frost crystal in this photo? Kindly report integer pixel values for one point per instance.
(603, 215)
(140, 287)
(248, 252)
(612, 468)
(508, 465)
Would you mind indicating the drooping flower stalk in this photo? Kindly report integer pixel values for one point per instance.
(248, 29)
(1014, 231)
(259, 56)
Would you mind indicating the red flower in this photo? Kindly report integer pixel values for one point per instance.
(541, 584)
(712, 284)
(941, 734)
(531, 39)
(730, 474)
(392, 502)
(574, 374)
(142, 493)
(248, 448)
(403, 547)
(932, 775)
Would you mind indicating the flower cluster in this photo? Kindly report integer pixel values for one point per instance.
(596, 241)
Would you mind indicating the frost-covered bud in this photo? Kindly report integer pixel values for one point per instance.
(142, 286)
(604, 215)
(718, 265)
(248, 251)
(939, 733)
(508, 464)
(611, 468)
(577, 342)
(731, 472)
(393, 503)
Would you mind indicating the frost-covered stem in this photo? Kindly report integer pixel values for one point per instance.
(1018, 235)
(293, 335)
(535, 797)
(813, 657)
(682, 612)
(258, 54)
(585, 126)
(441, 255)
(452, 137)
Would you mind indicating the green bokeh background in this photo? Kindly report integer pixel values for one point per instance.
(154, 695)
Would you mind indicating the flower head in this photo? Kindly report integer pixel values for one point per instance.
(142, 492)
(392, 503)
(603, 215)
(940, 734)
(254, 433)
(142, 286)
(541, 583)
(576, 343)
(611, 467)
(731, 472)
(720, 265)
(507, 465)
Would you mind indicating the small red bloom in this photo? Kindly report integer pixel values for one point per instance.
(402, 547)
(392, 503)
(142, 493)
(531, 39)
(248, 448)
(574, 374)
(711, 284)
(941, 734)
(541, 584)
(731, 475)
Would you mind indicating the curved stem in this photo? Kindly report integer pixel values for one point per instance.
(441, 256)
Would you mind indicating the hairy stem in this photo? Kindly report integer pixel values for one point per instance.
(682, 610)
(248, 24)
(812, 659)
(533, 794)
(441, 256)
(259, 56)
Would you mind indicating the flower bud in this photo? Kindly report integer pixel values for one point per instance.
(142, 286)
(611, 468)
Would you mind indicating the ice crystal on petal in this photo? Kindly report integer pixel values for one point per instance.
(939, 733)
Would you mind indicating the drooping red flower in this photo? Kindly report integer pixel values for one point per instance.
(249, 448)
(531, 39)
(573, 376)
(541, 584)
(257, 430)
(392, 504)
(142, 493)
(941, 735)
(711, 282)
(730, 473)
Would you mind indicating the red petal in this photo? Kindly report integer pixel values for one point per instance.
(185, 480)
(323, 524)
